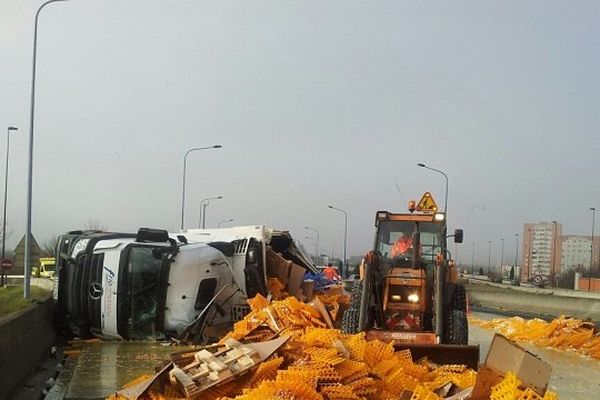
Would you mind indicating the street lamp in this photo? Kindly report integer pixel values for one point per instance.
(203, 204)
(344, 263)
(216, 146)
(489, 257)
(473, 260)
(223, 222)
(517, 254)
(9, 130)
(26, 261)
(446, 196)
(593, 210)
(317, 245)
(501, 254)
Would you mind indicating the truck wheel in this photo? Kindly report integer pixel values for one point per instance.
(457, 328)
(351, 315)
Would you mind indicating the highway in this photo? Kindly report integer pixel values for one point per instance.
(103, 367)
(573, 376)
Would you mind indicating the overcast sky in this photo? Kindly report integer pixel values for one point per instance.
(315, 103)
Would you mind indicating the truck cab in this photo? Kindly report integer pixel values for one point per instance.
(142, 286)
(154, 284)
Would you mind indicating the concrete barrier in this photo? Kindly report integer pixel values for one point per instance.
(25, 339)
(551, 302)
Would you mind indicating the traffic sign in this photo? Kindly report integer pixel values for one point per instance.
(6, 263)
(427, 204)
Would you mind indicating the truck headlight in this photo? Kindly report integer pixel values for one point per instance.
(396, 297)
(79, 247)
(413, 298)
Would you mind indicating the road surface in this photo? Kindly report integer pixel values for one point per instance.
(102, 368)
(573, 376)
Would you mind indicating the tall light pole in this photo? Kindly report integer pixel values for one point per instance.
(446, 195)
(489, 257)
(517, 254)
(344, 263)
(27, 258)
(318, 239)
(216, 146)
(593, 210)
(8, 131)
(501, 253)
(223, 222)
(203, 204)
(473, 259)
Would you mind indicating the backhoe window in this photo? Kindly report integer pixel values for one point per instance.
(395, 241)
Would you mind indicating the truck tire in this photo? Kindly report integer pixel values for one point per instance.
(352, 314)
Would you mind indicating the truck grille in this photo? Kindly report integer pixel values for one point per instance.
(95, 306)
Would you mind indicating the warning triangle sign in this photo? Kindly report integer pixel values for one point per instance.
(427, 204)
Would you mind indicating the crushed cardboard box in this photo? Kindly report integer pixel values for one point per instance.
(506, 356)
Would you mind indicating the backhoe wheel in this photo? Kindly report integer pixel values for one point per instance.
(457, 326)
(352, 314)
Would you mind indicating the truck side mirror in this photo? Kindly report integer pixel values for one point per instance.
(458, 236)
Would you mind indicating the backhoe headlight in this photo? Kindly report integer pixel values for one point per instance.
(413, 298)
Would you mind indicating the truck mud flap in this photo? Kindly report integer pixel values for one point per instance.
(443, 353)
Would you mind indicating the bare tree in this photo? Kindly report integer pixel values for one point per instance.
(49, 246)
(94, 225)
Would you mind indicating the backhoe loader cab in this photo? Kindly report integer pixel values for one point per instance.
(408, 291)
(408, 247)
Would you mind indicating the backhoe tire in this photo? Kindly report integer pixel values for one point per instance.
(459, 299)
(457, 326)
(352, 314)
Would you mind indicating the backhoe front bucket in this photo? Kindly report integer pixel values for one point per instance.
(443, 353)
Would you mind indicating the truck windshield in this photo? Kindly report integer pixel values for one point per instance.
(395, 240)
(143, 294)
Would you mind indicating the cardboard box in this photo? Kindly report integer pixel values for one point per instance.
(504, 356)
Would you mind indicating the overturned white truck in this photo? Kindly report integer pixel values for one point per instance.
(154, 285)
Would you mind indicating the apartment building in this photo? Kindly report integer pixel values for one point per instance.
(576, 251)
(540, 257)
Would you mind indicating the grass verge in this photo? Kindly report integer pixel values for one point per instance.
(11, 298)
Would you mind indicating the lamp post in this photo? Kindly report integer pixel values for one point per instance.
(501, 253)
(446, 195)
(26, 261)
(223, 222)
(216, 146)
(203, 204)
(318, 239)
(593, 210)
(517, 254)
(344, 263)
(473, 259)
(8, 131)
(489, 257)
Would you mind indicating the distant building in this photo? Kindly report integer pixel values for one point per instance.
(19, 256)
(576, 252)
(541, 252)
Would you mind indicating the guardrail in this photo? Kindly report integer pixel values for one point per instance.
(552, 302)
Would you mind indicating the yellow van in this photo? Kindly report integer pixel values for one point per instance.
(45, 269)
